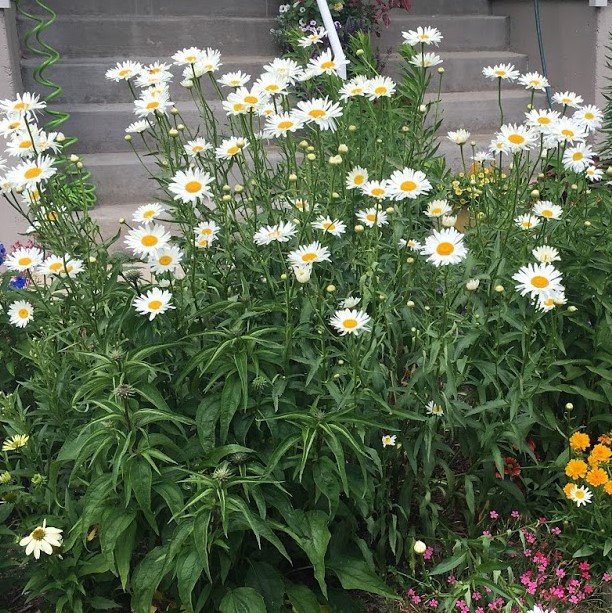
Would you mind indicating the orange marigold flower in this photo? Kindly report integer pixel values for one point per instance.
(597, 476)
(568, 490)
(608, 488)
(576, 469)
(599, 454)
(579, 441)
(606, 439)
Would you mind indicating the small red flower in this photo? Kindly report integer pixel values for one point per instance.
(511, 467)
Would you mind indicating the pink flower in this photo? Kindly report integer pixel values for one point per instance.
(433, 603)
(515, 515)
(556, 531)
(428, 553)
(493, 514)
(584, 566)
(606, 577)
(560, 572)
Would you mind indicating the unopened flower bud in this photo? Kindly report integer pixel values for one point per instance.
(609, 171)
(587, 223)
(121, 220)
(441, 70)
(574, 186)
(174, 110)
(472, 285)
(352, 128)
(423, 108)
(311, 157)
(359, 52)
(180, 126)
(335, 160)
(419, 548)
(405, 129)
(173, 132)
(342, 148)
(302, 273)
(410, 303)
(499, 289)
(409, 260)
(310, 148)
(569, 406)
(238, 189)
(572, 308)
(304, 144)
(226, 188)
(535, 193)
(74, 158)
(335, 195)
(61, 137)
(359, 228)
(330, 289)
(79, 165)
(226, 198)
(92, 259)
(293, 178)
(127, 137)
(390, 210)
(284, 276)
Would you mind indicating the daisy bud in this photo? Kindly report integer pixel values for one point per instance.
(311, 157)
(335, 195)
(572, 309)
(587, 223)
(588, 191)
(173, 132)
(19, 189)
(359, 228)
(165, 163)
(238, 189)
(330, 289)
(609, 171)
(419, 548)
(427, 308)
(226, 198)
(529, 107)
(413, 330)
(79, 165)
(180, 127)
(121, 220)
(5, 477)
(74, 158)
(381, 297)
(336, 375)
(293, 178)
(379, 140)
(341, 362)
(226, 188)
(423, 108)
(472, 285)
(541, 175)
(335, 160)
(352, 128)
(481, 215)
(174, 110)
(441, 70)
(569, 406)
(499, 289)
(60, 138)
(342, 149)
(574, 186)
(535, 193)
(359, 52)
(410, 303)
(284, 276)
(127, 137)
(390, 210)
(92, 259)
(410, 261)
(187, 83)
(310, 148)
(304, 144)
(405, 128)
(302, 273)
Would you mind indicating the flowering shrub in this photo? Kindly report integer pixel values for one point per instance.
(259, 389)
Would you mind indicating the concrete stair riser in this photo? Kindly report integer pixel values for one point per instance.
(448, 7)
(210, 8)
(131, 36)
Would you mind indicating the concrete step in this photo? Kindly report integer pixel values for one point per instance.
(210, 8)
(461, 32)
(463, 69)
(449, 7)
(129, 35)
(83, 79)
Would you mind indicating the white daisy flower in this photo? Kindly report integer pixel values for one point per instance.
(209, 61)
(24, 258)
(498, 145)
(23, 105)
(546, 254)
(51, 266)
(350, 303)
(356, 86)
(197, 146)
(20, 313)
(147, 212)
(350, 321)
(549, 300)
(388, 440)
(165, 259)
(332, 226)
(567, 130)
(280, 125)
(589, 117)
(309, 254)
(545, 208)
(124, 71)
(472, 285)
(153, 101)
(12, 124)
(459, 137)
(271, 84)
(137, 127)
(534, 80)
(302, 272)
(31, 172)
(372, 217)
(434, 409)
(154, 75)
(284, 67)
(43, 538)
(425, 60)
(567, 99)
(578, 158)
(449, 221)
(190, 185)
(594, 174)
(155, 302)
(444, 247)
(411, 244)
(501, 71)
(422, 35)
(581, 495)
(527, 221)
(206, 234)
(408, 183)
(281, 233)
(542, 119)
(379, 87)
(312, 38)
(356, 178)
(438, 208)
(301, 204)
(321, 111)
(376, 189)
(71, 268)
(230, 147)
(250, 98)
(190, 55)
(537, 280)
(143, 240)
(235, 79)
(517, 137)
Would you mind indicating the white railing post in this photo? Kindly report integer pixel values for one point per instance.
(332, 36)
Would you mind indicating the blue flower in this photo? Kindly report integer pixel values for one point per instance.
(18, 282)
(2, 253)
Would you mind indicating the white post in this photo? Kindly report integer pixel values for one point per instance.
(332, 35)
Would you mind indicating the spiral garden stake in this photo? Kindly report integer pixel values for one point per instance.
(32, 42)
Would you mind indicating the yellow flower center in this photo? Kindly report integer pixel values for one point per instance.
(197, 148)
(516, 139)
(328, 65)
(203, 242)
(544, 120)
(23, 313)
(579, 494)
(436, 211)
(155, 305)
(193, 186)
(165, 260)
(378, 191)
(251, 99)
(567, 132)
(191, 59)
(148, 214)
(566, 100)
(588, 116)
(124, 72)
(381, 89)
(408, 186)
(329, 226)
(547, 213)
(32, 173)
(350, 323)
(549, 302)
(577, 156)
(206, 231)
(540, 282)
(359, 179)
(238, 106)
(285, 125)
(14, 125)
(423, 36)
(24, 144)
(153, 104)
(24, 261)
(38, 534)
(500, 73)
(371, 217)
(534, 83)
(309, 257)
(445, 248)
(273, 87)
(56, 266)
(316, 113)
(233, 150)
(356, 91)
(149, 240)
(20, 106)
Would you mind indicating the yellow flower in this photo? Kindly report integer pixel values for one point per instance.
(576, 469)
(579, 441)
(599, 454)
(15, 442)
(608, 488)
(568, 490)
(597, 476)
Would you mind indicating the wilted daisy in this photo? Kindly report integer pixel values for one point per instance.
(24, 258)
(545, 208)
(354, 87)
(302, 272)
(235, 79)
(284, 67)
(422, 35)
(197, 146)
(280, 232)
(542, 119)
(12, 443)
(137, 127)
(23, 105)
(438, 208)
(537, 280)
(30, 173)
(589, 116)
(20, 313)
(209, 61)
(43, 538)
(411, 244)
(388, 440)
(124, 71)
(230, 147)
(472, 285)
(155, 302)
(459, 137)
(517, 137)
(332, 226)
(550, 300)
(309, 254)
(280, 125)
(321, 111)
(312, 38)
(534, 80)
(190, 185)
(372, 217)
(190, 55)
(567, 99)
(350, 321)
(326, 63)
(143, 240)
(379, 87)
(527, 221)
(581, 495)
(206, 233)
(444, 247)
(408, 183)
(425, 60)
(593, 174)
(147, 212)
(546, 254)
(434, 409)
(501, 71)
(350, 302)
(376, 189)
(356, 178)
(165, 259)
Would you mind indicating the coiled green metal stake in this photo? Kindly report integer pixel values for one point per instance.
(33, 43)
